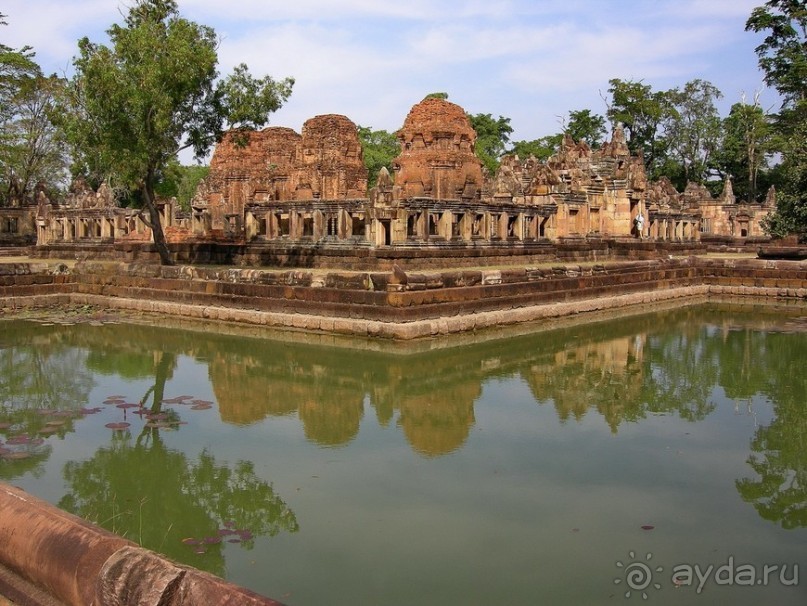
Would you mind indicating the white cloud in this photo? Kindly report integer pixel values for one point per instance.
(371, 60)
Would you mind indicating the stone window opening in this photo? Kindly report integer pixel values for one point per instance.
(477, 226)
(357, 226)
(411, 226)
(11, 225)
(282, 225)
(542, 227)
(308, 227)
(433, 219)
(456, 220)
(511, 227)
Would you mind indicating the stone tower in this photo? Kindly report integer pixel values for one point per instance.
(437, 154)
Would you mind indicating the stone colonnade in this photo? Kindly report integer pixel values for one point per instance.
(421, 220)
(88, 225)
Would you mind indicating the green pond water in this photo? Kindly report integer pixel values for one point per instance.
(660, 455)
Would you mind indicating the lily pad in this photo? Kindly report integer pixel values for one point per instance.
(20, 439)
(118, 425)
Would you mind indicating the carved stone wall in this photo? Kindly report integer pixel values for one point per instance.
(437, 154)
(329, 164)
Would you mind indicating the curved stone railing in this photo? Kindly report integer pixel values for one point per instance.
(79, 564)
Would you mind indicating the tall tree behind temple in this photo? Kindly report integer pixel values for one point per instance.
(134, 105)
(492, 137)
(30, 151)
(744, 150)
(585, 126)
(642, 112)
(783, 58)
(692, 130)
(379, 148)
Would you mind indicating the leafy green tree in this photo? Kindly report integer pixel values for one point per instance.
(642, 112)
(783, 59)
(746, 143)
(379, 148)
(492, 137)
(692, 129)
(585, 126)
(180, 182)
(541, 149)
(16, 67)
(32, 151)
(133, 105)
(29, 150)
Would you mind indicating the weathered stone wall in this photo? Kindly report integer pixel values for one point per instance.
(245, 165)
(405, 305)
(278, 164)
(329, 162)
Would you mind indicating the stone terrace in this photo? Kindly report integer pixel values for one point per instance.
(397, 304)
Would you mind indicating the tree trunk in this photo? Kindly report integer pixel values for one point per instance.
(158, 235)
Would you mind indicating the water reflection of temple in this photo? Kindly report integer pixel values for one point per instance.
(622, 372)
(431, 397)
(604, 375)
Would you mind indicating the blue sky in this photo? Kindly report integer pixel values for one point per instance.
(371, 60)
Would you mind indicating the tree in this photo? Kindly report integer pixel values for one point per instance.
(379, 148)
(742, 153)
(180, 182)
(32, 152)
(16, 66)
(783, 59)
(541, 149)
(492, 136)
(642, 112)
(133, 105)
(692, 129)
(585, 126)
(29, 149)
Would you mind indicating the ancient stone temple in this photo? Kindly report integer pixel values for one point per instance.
(290, 195)
(268, 171)
(579, 192)
(86, 215)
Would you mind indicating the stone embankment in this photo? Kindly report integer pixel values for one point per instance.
(49, 557)
(397, 304)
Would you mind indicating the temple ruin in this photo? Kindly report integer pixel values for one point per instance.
(276, 187)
